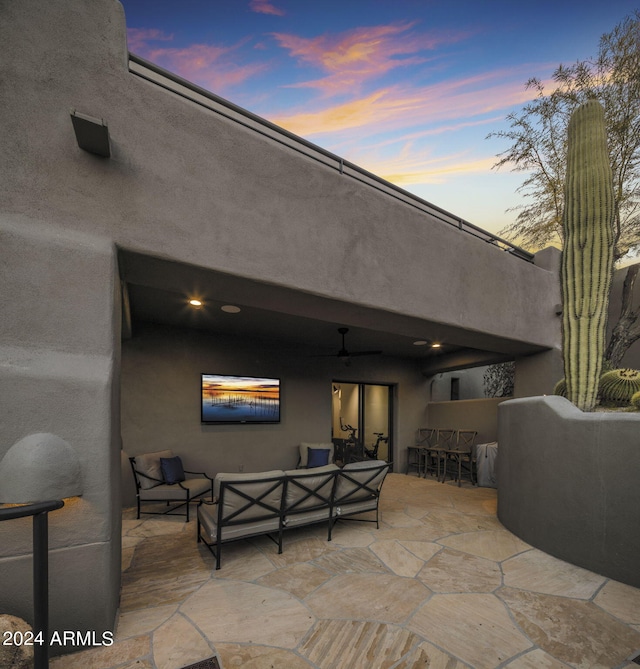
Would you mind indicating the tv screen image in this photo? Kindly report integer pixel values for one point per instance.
(239, 399)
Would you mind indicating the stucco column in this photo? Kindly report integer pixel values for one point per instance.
(59, 375)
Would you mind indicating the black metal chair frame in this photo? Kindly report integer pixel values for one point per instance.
(281, 511)
(228, 521)
(171, 509)
(360, 485)
(40, 532)
(311, 492)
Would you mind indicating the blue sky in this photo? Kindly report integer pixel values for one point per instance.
(408, 89)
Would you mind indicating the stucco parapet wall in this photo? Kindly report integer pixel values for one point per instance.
(567, 483)
(187, 185)
(57, 292)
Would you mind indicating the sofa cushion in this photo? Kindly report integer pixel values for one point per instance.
(148, 464)
(164, 491)
(307, 517)
(242, 476)
(172, 470)
(208, 516)
(237, 499)
(352, 478)
(307, 488)
(317, 457)
(304, 451)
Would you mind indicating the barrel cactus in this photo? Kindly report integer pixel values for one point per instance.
(587, 258)
(560, 388)
(635, 401)
(619, 386)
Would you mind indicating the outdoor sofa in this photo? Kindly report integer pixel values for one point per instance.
(268, 503)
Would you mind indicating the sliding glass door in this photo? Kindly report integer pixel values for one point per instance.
(362, 421)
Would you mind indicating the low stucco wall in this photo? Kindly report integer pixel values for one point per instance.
(568, 483)
(480, 415)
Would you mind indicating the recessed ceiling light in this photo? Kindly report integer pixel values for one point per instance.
(436, 345)
(231, 309)
(420, 342)
(195, 303)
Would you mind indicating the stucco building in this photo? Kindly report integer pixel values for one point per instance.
(100, 254)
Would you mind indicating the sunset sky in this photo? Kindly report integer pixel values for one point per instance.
(407, 89)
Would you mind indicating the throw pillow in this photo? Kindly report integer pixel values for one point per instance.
(172, 470)
(318, 457)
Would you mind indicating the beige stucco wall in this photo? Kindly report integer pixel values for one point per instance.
(479, 414)
(181, 178)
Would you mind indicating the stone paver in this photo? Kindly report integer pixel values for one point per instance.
(441, 584)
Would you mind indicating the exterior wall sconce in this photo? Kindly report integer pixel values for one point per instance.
(35, 474)
(92, 134)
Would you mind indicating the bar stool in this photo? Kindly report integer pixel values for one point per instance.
(431, 457)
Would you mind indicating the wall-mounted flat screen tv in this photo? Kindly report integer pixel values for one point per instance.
(239, 399)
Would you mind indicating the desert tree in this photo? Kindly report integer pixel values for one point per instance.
(538, 148)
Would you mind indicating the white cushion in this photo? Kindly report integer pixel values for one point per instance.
(319, 479)
(305, 446)
(148, 464)
(307, 517)
(208, 515)
(347, 488)
(163, 491)
(267, 486)
(243, 476)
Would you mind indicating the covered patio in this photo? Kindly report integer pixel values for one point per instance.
(440, 584)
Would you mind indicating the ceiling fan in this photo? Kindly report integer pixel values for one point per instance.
(345, 355)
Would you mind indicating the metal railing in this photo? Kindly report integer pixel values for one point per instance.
(163, 78)
(39, 511)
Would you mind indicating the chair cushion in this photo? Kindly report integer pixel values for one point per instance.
(243, 476)
(306, 446)
(172, 469)
(241, 490)
(164, 491)
(317, 457)
(208, 516)
(149, 465)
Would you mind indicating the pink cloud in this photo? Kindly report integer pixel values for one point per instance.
(211, 66)
(138, 38)
(357, 55)
(410, 172)
(404, 106)
(265, 7)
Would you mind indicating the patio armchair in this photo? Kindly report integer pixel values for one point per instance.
(160, 477)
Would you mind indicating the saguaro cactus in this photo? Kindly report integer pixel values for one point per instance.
(587, 258)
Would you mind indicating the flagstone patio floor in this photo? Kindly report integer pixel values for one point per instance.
(441, 584)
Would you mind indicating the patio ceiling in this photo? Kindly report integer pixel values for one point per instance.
(159, 290)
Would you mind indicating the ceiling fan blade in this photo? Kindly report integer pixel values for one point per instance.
(343, 354)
